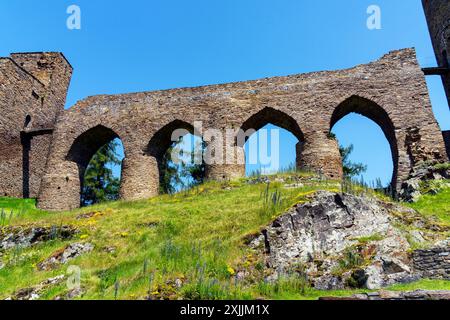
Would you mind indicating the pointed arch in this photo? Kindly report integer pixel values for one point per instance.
(273, 116)
(373, 111)
(87, 144)
(160, 142)
(162, 139)
(83, 149)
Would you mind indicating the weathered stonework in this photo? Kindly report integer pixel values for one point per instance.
(322, 233)
(446, 135)
(33, 90)
(438, 17)
(391, 91)
(433, 263)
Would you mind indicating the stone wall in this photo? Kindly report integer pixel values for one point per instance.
(33, 89)
(428, 295)
(391, 91)
(438, 17)
(446, 135)
(433, 263)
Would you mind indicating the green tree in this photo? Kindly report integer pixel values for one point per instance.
(350, 168)
(182, 175)
(193, 172)
(170, 176)
(100, 184)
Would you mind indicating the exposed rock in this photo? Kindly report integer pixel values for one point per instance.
(70, 295)
(410, 191)
(62, 256)
(342, 241)
(413, 188)
(34, 293)
(329, 282)
(417, 236)
(86, 215)
(110, 249)
(23, 237)
(397, 295)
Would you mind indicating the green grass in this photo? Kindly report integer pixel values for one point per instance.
(425, 284)
(197, 236)
(435, 205)
(18, 204)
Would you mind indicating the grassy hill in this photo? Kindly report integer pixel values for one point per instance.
(188, 245)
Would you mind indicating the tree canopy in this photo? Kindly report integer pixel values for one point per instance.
(350, 168)
(184, 174)
(100, 184)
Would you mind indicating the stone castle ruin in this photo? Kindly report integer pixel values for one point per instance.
(45, 149)
(437, 13)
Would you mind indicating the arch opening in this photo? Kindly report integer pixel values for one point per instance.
(98, 154)
(178, 151)
(272, 142)
(361, 123)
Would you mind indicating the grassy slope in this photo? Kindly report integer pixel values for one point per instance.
(435, 205)
(195, 236)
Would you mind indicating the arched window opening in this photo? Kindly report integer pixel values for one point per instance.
(98, 154)
(270, 150)
(366, 152)
(273, 142)
(368, 146)
(179, 153)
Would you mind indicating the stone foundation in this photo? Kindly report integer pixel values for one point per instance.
(433, 263)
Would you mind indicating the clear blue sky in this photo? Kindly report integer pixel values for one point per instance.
(128, 46)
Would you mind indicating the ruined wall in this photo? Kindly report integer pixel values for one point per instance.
(433, 263)
(33, 89)
(391, 91)
(446, 135)
(437, 13)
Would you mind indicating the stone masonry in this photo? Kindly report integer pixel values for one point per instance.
(446, 135)
(391, 91)
(33, 90)
(433, 263)
(437, 13)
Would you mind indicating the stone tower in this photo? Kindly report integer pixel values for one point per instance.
(437, 13)
(33, 89)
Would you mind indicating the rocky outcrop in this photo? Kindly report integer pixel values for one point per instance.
(34, 293)
(63, 256)
(23, 237)
(340, 240)
(425, 179)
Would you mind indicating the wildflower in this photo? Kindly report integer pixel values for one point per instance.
(231, 270)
